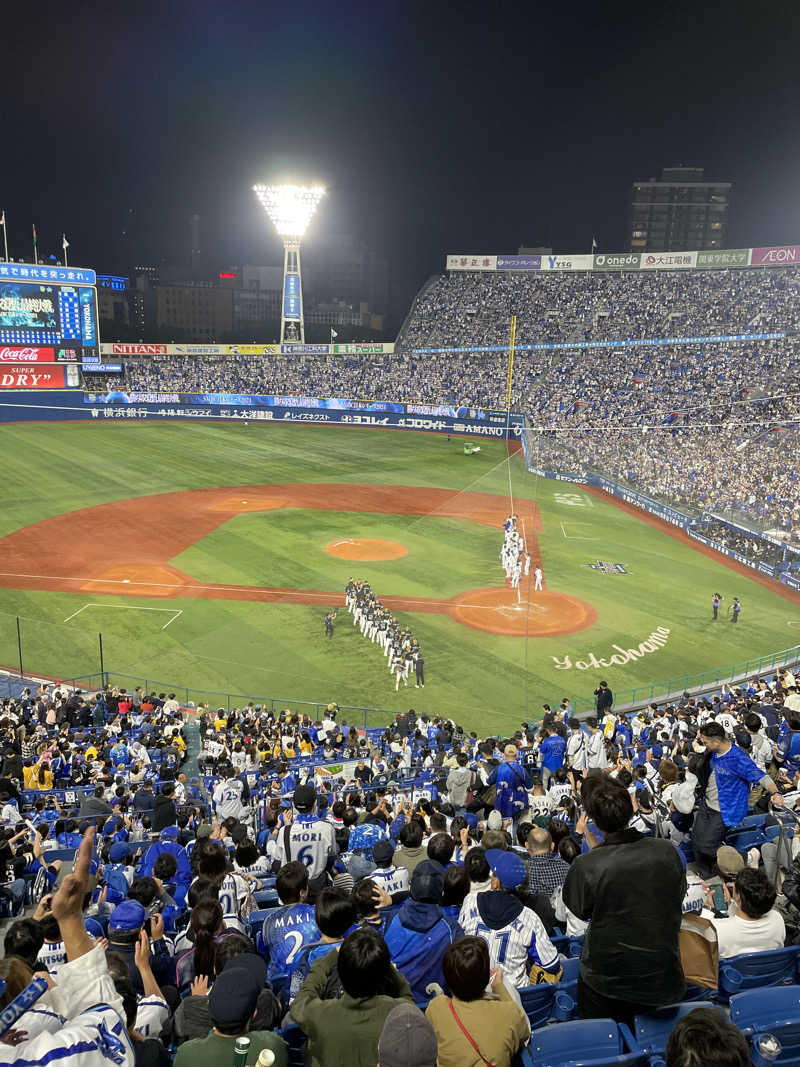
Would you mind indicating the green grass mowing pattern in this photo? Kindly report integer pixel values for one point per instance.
(487, 682)
(287, 550)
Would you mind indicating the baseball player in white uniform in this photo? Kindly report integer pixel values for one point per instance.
(537, 578)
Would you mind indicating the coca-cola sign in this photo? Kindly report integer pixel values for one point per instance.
(26, 355)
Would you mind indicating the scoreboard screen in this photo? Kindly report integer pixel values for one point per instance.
(44, 313)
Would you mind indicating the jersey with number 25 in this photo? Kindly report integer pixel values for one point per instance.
(286, 930)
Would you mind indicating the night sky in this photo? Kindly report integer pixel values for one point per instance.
(437, 127)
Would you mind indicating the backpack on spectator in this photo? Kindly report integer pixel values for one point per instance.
(699, 951)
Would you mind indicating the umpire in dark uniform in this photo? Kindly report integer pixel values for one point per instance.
(419, 667)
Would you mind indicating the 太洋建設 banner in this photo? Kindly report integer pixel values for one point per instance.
(768, 256)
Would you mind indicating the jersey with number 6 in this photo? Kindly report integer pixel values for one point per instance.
(286, 930)
(311, 841)
(519, 941)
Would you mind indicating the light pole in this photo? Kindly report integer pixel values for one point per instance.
(291, 208)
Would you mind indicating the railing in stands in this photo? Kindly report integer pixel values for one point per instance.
(363, 717)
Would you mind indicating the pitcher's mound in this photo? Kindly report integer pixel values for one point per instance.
(366, 549)
(546, 614)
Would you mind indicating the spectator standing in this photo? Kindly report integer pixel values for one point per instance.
(729, 773)
(630, 890)
(546, 871)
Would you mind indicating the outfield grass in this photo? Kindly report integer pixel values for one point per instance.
(487, 682)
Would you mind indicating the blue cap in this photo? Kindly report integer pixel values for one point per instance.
(427, 881)
(507, 867)
(170, 832)
(118, 852)
(471, 819)
(129, 915)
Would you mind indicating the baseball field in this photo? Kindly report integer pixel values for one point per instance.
(207, 556)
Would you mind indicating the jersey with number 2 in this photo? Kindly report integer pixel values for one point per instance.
(286, 930)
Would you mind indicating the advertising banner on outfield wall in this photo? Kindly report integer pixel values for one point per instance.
(368, 348)
(728, 257)
(472, 262)
(668, 260)
(27, 355)
(519, 262)
(576, 262)
(776, 254)
(773, 255)
(37, 377)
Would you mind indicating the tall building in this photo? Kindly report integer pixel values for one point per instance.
(680, 213)
(337, 270)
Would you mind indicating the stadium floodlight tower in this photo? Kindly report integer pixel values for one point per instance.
(291, 208)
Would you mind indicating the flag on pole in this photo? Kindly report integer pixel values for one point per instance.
(594, 244)
(35, 249)
(3, 218)
(64, 242)
(333, 333)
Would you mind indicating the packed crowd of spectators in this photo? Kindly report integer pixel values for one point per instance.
(466, 308)
(397, 906)
(703, 425)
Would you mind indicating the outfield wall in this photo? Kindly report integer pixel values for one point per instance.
(72, 405)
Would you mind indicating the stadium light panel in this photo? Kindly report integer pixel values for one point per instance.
(290, 207)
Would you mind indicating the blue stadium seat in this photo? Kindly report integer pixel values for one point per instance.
(544, 1002)
(266, 898)
(296, 1040)
(653, 1029)
(771, 1011)
(588, 1042)
(753, 970)
(750, 837)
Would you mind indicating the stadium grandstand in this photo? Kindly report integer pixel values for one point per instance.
(255, 885)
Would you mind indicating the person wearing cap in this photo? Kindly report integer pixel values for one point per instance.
(232, 1003)
(124, 926)
(729, 775)
(514, 933)
(418, 935)
(307, 838)
(407, 1039)
(344, 1031)
(474, 1027)
(630, 890)
(394, 880)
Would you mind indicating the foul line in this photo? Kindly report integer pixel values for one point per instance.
(130, 607)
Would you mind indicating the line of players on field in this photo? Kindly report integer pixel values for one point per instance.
(513, 554)
(377, 623)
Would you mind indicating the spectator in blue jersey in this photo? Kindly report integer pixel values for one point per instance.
(551, 753)
(335, 915)
(512, 782)
(288, 929)
(419, 934)
(728, 776)
(788, 753)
